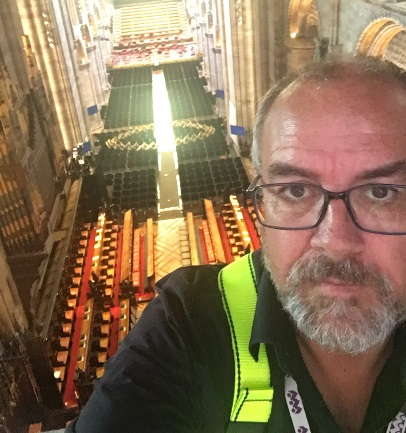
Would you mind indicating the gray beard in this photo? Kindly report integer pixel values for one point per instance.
(339, 325)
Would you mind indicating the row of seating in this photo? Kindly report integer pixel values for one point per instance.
(112, 159)
(211, 147)
(206, 179)
(189, 99)
(132, 178)
(127, 317)
(183, 128)
(151, 37)
(175, 71)
(138, 134)
(134, 189)
(100, 289)
(66, 303)
(147, 56)
(104, 327)
(82, 337)
(152, 15)
(128, 106)
(224, 170)
(222, 235)
(96, 324)
(131, 77)
(152, 46)
(200, 150)
(235, 228)
(104, 257)
(176, 36)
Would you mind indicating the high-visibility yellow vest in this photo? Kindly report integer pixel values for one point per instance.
(252, 401)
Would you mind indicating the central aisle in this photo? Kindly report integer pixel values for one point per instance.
(169, 200)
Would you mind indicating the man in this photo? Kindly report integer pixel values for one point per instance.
(330, 150)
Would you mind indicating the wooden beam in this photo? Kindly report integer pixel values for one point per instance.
(194, 252)
(214, 232)
(126, 255)
(242, 228)
(136, 258)
(150, 248)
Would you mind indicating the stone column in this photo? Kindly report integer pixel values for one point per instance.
(200, 40)
(215, 68)
(203, 30)
(261, 18)
(220, 102)
(300, 51)
(211, 75)
(395, 52)
(67, 58)
(95, 73)
(86, 88)
(245, 60)
(221, 60)
(52, 70)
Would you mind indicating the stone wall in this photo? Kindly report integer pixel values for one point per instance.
(12, 316)
(353, 17)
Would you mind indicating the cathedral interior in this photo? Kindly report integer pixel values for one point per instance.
(125, 135)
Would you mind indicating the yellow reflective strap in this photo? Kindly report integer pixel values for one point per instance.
(252, 401)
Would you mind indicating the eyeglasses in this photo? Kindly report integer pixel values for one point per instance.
(375, 207)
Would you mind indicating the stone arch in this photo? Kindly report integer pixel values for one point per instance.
(303, 31)
(380, 38)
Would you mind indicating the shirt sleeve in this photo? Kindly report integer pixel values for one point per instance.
(158, 381)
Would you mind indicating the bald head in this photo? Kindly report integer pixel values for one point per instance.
(335, 93)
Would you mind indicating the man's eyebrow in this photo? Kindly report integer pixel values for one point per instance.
(280, 169)
(397, 167)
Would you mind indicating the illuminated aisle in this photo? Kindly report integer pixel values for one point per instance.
(169, 201)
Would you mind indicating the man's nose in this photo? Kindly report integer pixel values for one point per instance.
(337, 234)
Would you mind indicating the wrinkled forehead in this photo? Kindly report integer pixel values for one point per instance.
(352, 111)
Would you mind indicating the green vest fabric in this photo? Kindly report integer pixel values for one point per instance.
(252, 401)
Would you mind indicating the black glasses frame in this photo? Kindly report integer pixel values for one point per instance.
(328, 196)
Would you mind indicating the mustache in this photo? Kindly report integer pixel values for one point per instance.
(318, 268)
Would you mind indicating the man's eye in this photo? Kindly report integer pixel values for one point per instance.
(381, 192)
(296, 191)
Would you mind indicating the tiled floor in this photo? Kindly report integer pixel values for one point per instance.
(168, 246)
